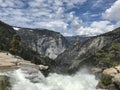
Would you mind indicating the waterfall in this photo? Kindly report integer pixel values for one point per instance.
(23, 80)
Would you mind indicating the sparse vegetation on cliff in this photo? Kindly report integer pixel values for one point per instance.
(108, 57)
(15, 45)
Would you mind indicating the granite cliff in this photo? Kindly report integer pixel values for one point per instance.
(45, 42)
(7, 37)
(82, 54)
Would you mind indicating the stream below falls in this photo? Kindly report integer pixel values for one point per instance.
(27, 80)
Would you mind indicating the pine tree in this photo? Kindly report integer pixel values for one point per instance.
(15, 45)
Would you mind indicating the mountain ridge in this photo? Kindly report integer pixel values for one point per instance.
(74, 56)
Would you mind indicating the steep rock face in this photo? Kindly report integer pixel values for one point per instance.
(72, 58)
(48, 43)
(6, 35)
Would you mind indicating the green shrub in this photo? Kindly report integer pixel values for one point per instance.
(115, 47)
(106, 80)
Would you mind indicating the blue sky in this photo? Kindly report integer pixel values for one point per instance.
(70, 17)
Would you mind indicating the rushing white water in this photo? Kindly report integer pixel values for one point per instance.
(22, 80)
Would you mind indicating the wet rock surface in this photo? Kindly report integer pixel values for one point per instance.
(4, 83)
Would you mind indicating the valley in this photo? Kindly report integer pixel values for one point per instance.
(29, 53)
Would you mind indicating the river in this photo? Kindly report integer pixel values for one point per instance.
(24, 80)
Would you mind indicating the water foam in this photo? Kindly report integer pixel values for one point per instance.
(80, 81)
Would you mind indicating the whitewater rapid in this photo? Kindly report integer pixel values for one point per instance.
(22, 80)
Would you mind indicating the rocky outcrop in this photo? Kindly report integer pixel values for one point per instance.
(45, 42)
(42, 67)
(4, 83)
(110, 79)
(9, 62)
(79, 54)
(111, 72)
(96, 71)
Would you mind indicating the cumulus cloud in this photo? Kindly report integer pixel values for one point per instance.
(113, 13)
(50, 14)
(96, 28)
(54, 25)
(57, 15)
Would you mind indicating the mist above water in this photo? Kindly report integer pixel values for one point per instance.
(21, 80)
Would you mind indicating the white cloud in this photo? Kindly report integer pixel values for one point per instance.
(11, 3)
(54, 25)
(95, 15)
(95, 28)
(67, 34)
(97, 3)
(113, 13)
(48, 14)
(51, 14)
(117, 24)
(72, 3)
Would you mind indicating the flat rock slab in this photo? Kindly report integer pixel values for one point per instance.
(9, 62)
